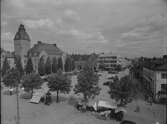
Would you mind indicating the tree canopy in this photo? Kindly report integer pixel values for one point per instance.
(31, 81)
(29, 66)
(60, 63)
(54, 65)
(5, 66)
(122, 90)
(68, 64)
(11, 79)
(87, 83)
(41, 66)
(59, 83)
(19, 66)
(48, 66)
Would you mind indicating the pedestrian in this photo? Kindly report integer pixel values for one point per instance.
(10, 91)
(48, 98)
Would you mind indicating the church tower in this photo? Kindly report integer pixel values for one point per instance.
(22, 44)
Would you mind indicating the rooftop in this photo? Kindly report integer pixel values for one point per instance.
(22, 34)
(158, 67)
(107, 54)
(50, 49)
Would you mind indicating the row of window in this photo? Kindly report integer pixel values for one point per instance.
(108, 61)
(109, 57)
(110, 65)
(164, 75)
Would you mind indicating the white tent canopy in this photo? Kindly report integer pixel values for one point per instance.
(105, 104)
(39, 93)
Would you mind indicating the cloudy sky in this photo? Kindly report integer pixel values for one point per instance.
(126, 27)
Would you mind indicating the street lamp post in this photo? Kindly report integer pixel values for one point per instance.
(17, 98)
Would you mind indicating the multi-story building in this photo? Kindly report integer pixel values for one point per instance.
(45, 50)
(9, 56)
(155, 79)
(22, 49)
(107, 61)
(22, 44)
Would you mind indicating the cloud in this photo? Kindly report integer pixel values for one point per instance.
(4, 23)
(41, 23)
(7, 41)
(85, 37)
(59, 21)
(72, 14)
(17, 3)
(148, 28)
(7, 36)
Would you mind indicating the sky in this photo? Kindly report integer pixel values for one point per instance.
(130, 28)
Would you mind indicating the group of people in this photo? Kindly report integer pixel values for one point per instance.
(47, 98)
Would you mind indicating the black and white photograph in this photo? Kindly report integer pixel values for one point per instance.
(83, 61)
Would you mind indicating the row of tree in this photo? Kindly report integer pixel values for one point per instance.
(59, 82)
(47, 67)
(121, 90)
(56, 64)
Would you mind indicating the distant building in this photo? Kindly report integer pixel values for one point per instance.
(92, 58)
(155, 79)
(22, 48)
(124, 62)
(45, 50)
(79, 65)
(9, 56)
(22, 44)
(107, 61)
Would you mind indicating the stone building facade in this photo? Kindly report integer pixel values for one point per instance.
(22, 44)
(22, 48)
(45, 50)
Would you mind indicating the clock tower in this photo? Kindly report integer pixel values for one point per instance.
(22, 44)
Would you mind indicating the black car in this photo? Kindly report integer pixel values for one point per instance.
(106, 83)
(127, 122)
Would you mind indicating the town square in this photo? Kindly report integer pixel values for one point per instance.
(83, 62)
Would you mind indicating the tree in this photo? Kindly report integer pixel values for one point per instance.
(122, 90)
(5, 66)
(29, 66)
(11, 79)
(59, 83)
(19, 66)
(60, 63)
(87, 83)
(118, 67)
(41, 67)
(54, 65)
(31, 81)
(48, 66)
(72, 64)
(102, 66)
(67, 65)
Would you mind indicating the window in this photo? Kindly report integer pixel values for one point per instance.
(164, 75)
(164, 88)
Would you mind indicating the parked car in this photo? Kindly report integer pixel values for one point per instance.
(127, 122)
(106, 83)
